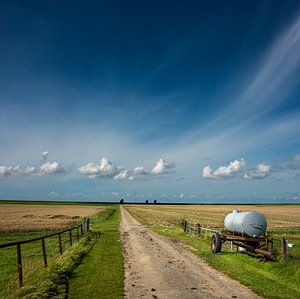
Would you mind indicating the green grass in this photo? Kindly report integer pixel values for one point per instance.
(53, 281)
(32, 258)
(279, 279)
(101, 273)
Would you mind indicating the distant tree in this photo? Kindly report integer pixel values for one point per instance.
(155, 201)
(122, 201)
(146, 201)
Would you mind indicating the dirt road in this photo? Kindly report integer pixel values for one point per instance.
(157, 267)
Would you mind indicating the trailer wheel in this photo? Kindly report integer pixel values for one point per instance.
(216, 243)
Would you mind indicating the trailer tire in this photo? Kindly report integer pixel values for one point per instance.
(216, 243)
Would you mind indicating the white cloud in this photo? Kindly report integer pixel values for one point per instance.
(30, 170)
(228, 171)
(207, 172)
(105, 169)
(45, 168)
(123, 175)
(139, 171)
(48, 168)
(6, 171)
(45, 155)
(162, 167)
(261, 171)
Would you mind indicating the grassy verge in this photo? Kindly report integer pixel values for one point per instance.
(32, 258)
(272, 279)
(53, 281)
(101, 273)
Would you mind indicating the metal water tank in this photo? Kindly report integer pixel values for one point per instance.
(250, 224)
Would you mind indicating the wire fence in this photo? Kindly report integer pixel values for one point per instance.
(287, 247)
(70, 236)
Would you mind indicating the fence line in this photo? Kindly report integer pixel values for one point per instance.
(84, 227)
(197, 229)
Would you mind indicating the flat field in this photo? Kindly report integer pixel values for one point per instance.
(279, 217)
(37, 217)
(26, 221)
(274, 279)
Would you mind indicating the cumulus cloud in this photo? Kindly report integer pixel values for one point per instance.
(123, 175)
(228, 171)
(48, 168)
(260, 172)
(45, 168)
(162, 167)
(105, 169)
(139, 171)
(6, 171)
(207, 172)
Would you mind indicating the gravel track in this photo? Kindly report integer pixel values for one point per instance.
(158, 267)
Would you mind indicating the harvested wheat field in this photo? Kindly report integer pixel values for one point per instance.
(26, 217)
(279, 217)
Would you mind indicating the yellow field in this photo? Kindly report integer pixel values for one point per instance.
(278, 217)
(19, 217)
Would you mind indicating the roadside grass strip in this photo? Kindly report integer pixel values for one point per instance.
(101, 273)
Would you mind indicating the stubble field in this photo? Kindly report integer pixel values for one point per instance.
(27, 217)
(280, 218)
(26, 221)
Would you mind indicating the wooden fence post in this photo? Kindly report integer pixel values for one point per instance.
(88, 224)
(198, 229)
(84, 225)
(77, 229)
(44, 253)
(59, 244)
(185, 226)
(70, 234)
(284, 247)
(81, 229)
(19, 265)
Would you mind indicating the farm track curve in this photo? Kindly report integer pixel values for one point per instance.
(158, 267)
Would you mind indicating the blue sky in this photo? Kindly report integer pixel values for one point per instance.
(185, 101)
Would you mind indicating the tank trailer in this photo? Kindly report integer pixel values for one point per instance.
(246, 230)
